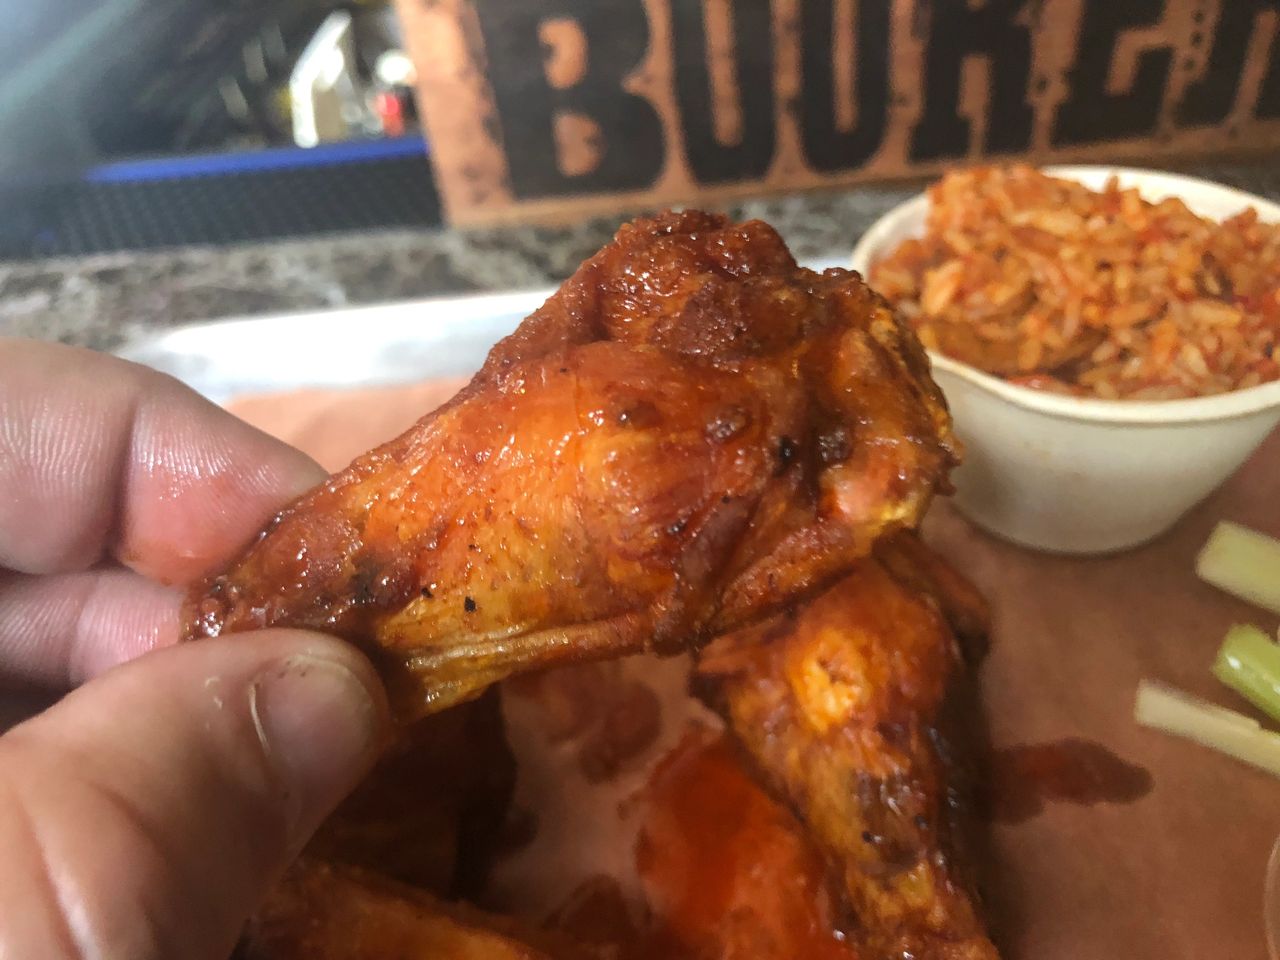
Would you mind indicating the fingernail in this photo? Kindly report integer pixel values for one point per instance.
(319, 727)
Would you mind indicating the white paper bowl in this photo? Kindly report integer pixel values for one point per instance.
(1081, 476)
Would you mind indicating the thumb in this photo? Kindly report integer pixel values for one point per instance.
(146, 814)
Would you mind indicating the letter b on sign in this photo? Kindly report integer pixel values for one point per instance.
(557, 69)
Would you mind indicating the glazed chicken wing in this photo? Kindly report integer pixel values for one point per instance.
(930, 577)
(727, 870)
(845, 708)
(690, 433)
(322, 911)
(430, 813)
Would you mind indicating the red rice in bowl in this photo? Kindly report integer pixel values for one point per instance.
(1058, 287)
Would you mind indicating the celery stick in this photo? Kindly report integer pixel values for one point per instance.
(1170, 710)
(1249, 663)
(1243, 562)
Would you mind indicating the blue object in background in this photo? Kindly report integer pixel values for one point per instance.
(221, 198)
(110, 127)
(258, 161)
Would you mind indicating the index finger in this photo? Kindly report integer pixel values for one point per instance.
(104, 459)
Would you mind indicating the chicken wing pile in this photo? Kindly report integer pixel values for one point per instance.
(690, 434)
(694, 438)
(323, 911)
(842, 709)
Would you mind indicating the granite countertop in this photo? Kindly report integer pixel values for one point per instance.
(102, 301)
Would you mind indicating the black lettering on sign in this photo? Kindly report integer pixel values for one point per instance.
(956, 31)
(1092, 114)
(834, 52)
(620, 134)
(726, 100)
(1268, 106)
(1269, 92)
(1209, 100)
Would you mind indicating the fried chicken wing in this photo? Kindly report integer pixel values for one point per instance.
(727, 869)
(842, 708)
(321, 911)
(691, 433)
(921, 570)
(430, 813)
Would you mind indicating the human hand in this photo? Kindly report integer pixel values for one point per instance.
(145, 814)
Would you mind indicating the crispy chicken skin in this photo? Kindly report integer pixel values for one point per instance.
(690, 434)
(854, 852)
(430, 813)
(932, 578)
(840, 707)
(322, 911)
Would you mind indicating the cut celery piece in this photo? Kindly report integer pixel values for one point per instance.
(1170, 710)
(1249, 663)
(1244, 563)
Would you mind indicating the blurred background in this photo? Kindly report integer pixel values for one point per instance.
(147, 123)
(167, 161)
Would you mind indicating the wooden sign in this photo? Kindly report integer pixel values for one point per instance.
(540, 109)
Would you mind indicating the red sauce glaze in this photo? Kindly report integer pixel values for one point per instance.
(727, 869)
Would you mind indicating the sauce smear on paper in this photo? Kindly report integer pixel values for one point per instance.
(1022, 779)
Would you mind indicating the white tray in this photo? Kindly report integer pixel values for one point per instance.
(393, 343)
